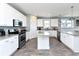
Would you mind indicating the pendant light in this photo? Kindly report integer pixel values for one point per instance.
(72, 17)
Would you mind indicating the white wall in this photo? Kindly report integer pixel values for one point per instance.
(32, 32)
(8, 13)
(33, 26)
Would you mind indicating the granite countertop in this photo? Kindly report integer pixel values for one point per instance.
(74, 33)
(52, 28)
(7, 36)
(43, 33)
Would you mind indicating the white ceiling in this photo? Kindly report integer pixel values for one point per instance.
(46, 9)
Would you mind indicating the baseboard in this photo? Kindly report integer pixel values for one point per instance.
(52, 37)
(68, 47)
(32, 38)
(14, 52)
(27, 40)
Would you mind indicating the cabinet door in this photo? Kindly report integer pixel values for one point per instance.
(4, 48)
(13, 44)
(8, 46)
(2, 15)
(43, 42)
(53, 33)
(6, 15)
(63, 38)
(24, 21)
(76, 43)
(69, 40)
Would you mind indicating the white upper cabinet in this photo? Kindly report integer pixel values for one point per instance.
(54, 22)
(8, 13)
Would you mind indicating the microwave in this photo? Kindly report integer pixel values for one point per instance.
(17, 23)
(77, 22)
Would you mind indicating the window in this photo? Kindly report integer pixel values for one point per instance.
(63, 23)
(43, 23)
(40, 22)
(66, 23)
(47, 23)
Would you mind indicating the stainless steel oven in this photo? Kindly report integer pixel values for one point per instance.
(77, 22)
(22, 38)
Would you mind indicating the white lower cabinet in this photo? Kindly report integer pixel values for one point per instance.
(63, 38)
(8, 46)
(43, 42)
(70, 41)
(67, 40)
(53, 33)
(4, 45)
(76, 44)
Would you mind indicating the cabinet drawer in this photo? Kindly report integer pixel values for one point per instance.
(4, 48)
(64, 38)
(3, 42)
(8, 46)
(53, 33)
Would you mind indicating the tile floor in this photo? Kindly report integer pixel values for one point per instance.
(56, 49)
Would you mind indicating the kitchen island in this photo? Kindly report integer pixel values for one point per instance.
(43, 40)
(70, 39)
